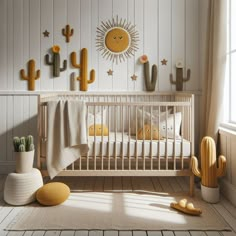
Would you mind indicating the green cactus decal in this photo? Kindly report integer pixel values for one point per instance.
(32, 75)
(67, 32)
(150, 82)
(209, 171)
(179, 77)
(23, 144)
(55, 63)
(83, 66)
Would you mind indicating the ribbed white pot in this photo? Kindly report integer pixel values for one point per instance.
(20, 189)
(24, 161)
(211, 195)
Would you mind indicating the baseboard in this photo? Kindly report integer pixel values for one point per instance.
(7, 167)
(228, 190)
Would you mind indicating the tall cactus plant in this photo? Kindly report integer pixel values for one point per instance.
(209, 171)
(32, 75)
(179, 77)
(150, 82)
(83, 66)
(55, 63)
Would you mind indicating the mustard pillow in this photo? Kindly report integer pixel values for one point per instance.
(98, 130)
(147, 133)
(52, 194)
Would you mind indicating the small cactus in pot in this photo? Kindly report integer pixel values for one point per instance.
(209, 171)
(24, 153)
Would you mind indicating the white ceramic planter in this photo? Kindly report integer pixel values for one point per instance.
(211, 195)
(24, 161)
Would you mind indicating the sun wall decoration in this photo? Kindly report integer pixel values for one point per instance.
(117, 39)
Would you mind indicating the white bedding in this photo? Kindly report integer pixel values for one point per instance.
(99, 145)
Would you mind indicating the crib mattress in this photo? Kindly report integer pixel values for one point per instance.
(106, 146)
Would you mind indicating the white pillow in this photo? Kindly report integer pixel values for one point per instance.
(171, 133)
(98, 117)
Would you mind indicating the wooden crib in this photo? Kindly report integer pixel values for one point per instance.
(129, 134)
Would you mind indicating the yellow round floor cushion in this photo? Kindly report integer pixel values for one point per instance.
(52, 194)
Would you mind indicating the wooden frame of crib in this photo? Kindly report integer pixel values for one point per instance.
(112, 157)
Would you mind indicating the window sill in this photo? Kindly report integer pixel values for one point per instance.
(227, 128)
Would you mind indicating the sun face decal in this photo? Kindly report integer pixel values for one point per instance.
(117, 40)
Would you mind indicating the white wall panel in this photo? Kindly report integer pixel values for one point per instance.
(139, 15)
(105, 81)
(46, 18)
(18, 39)
(34, 35)
(94, 53)
(131, 61)
(3, 44)
(178, 34)
(73, 19)
(165, 42)
(3, 128)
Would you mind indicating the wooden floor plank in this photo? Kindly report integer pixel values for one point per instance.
(81, 233)
(154, 233)
(28, 233)
(125, 233)
(99, 184)
(213, 233)
(182, 233)
(156, 184)
(89, 183)
(167, 233)
(96, 233)
(227, 233)
(117, 183)
(165, 185)
(16, 233)
(197, 233)
(175, 184)
(111, 233)
(126, 184)
(107, 184)
(52, 233)
(67, 233)
(38, 233)
(139, 233)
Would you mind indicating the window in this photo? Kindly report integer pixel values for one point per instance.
(230, 86)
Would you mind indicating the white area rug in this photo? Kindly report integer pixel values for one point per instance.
(117, 210)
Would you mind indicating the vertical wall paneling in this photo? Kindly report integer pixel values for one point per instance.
(94, 53)
(3, 44)
(105, 81)
(34, 28)
(178, 34)
(26, 39)
(120, 68)
(192, 44)
(3, 128)
(139, 19)
(10, 126)
(10, 45)
(46, 19)
(60, 21)
(73, 19)
(18, 37)
(165, 34)
(131, 61)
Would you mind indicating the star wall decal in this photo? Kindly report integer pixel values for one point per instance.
(46, 33)
(164, 62)
(110, 72)
(134, 77)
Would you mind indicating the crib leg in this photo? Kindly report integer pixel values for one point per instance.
(191, 187)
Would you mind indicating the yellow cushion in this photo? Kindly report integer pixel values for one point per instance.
(98, 130)
(147, 133)
(52, 194)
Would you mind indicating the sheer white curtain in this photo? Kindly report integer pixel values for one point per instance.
(213, 83)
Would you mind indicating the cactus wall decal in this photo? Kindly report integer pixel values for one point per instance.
(209, 171)
(179, 76)
(32, 75)
(150, 83)
(55, 63)
(67, 32)
(83, 66)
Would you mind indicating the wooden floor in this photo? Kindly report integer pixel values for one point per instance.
(165, 184)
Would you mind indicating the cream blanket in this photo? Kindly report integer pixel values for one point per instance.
(67, 134)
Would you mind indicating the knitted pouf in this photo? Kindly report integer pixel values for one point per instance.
(20, 189)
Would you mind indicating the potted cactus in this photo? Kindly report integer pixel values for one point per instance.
(209, 171)
(24, 153)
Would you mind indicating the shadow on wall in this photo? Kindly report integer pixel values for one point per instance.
(28, 126)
